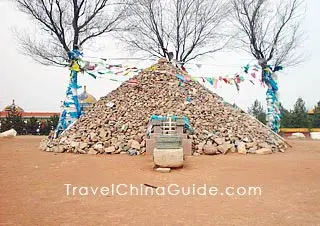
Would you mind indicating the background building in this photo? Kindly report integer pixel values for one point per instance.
(41, 123)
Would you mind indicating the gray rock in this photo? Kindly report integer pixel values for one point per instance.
(74, 144)
(114, 141)
(264, 151)
(83, 145)
(210, 149)
(92, 152)
(98, 147)
(252, 150)
(135, 145)
(132, 151)
(224, 148)
(137, 138)
(110, 150)
(43, 146)
(58, 149)
(163, 170)
(264, 145)
(80, 151)
(102, 133)
(219, 141)
(49, 149)
(250, 145)
(94, 137)
(242, 148)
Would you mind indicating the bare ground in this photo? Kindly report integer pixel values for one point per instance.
(32, 188)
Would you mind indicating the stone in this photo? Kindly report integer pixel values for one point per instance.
(121, 138)
(224, 148)
(43, 146)
(209, 143)
(143, 143)
(210, 149)
(114, 141)
(233, 149)
(219, 141)
(94, 137)
(98, 147)
(119, 145)
(124, 127)
(250, 145)
(110, 150)
(102, 133)
(92, 152)
(315, 135)
(83, 145)
(74, 144)
(143, 150)
(213, 120)
(246, 139)
(63, 140)
(107, 144)
(200, 146)
(252, 150)
(264, 151)
(297, 135)
(135, 145)
(264, 145)
(163, 170)
(137, 138)
(242, 148)
(58, 149)
(172, 158)
(80, 151)
(132, 151)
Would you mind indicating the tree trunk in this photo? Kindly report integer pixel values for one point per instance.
(71, 109)
(273, 107)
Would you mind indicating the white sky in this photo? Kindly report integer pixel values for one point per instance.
(40, 88)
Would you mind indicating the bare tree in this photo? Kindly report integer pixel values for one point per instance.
(270, 30)
(187, 28)
(65, 24)
(271, 34)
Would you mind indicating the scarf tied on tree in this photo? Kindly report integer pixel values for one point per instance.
(71, 109)
(273, 106)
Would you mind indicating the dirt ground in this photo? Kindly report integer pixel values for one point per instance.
(32, 188)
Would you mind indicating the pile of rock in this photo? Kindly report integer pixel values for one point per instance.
(118, 122)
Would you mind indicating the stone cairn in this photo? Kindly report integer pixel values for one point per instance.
(118, 122)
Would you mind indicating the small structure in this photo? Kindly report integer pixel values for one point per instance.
(26, 115)
(169, 132)
(168, 151)
(86, 100)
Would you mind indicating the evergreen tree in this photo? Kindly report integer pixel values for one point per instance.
(257, 111)
(299, 115)
(13, 121)
(49, 125)
(1, 125)
(316, 116)
(286, 118)
(32, 126)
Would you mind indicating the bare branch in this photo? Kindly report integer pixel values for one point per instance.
(272, 29)
(69, 23)
(189, 28)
